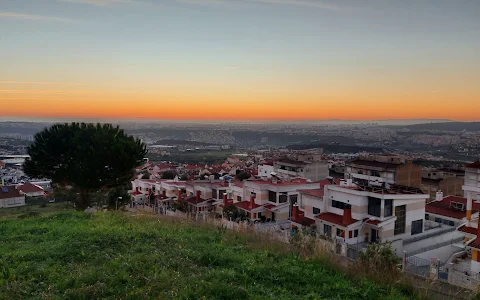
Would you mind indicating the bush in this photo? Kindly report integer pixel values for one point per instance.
(379, 261)
(31, 214)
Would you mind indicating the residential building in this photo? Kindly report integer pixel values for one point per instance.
(471, 185)
(359, 214)
(313, 170)
(10, 196)
(272, 199)
(450, 210)
(265, 170)
(378, 170)
(434, 180)
(31, 190)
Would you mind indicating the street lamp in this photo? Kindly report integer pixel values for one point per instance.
(361, 226)
(116, 202)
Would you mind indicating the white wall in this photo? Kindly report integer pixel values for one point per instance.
(12, 202)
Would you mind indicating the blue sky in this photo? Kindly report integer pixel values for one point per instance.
(248, 49)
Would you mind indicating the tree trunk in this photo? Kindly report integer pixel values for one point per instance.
(84, 200)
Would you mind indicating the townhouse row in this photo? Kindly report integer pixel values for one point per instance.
(339, 209)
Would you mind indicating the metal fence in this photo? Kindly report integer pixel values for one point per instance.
(436, 246)
(429, 235)
(417, 266)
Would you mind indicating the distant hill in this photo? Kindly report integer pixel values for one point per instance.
(446, 126)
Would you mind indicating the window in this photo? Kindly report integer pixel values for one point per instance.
(11, 201)
(355, 233)
(400, 213)
(293, 199)
(388, 208)
(451, 223)
(374, 206)
(253, 194)
(427, 217)
(282, 198)
(327, 230)
(220, 194)
(239, 198)
(316, 211)
(438, 220)
(340, 232)
(214, 194)
(417, 227)
(374, 173)
(272, 196)
(340, 205)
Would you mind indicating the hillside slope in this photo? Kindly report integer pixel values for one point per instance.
(73, 255)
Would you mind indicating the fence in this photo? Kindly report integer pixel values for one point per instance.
(417, 265)
(436, 246)
(428, 235)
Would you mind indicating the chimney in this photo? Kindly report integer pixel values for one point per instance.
(225, 200)
(136, 189)
(347, 216)
(164, 193)
(252, 201)
(439, 196)
(198, 195)
(179, 195)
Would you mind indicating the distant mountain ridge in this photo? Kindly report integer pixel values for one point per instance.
(445, 126)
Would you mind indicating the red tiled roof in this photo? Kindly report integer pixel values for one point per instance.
(164, 166)
(148, 180)
(315, 193)
(334, 218)
(374, 222)
(269, 206)
(475, 165)
(444, 207)
(301, 219)
(245, 205)
(229, 202)
(191, 167)
(468, 229)
(30, 188)
(193, 200)
(136, 193)
(239, 183)
(11, 193)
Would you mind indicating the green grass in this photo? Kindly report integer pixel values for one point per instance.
(49, 208)
(73, 255)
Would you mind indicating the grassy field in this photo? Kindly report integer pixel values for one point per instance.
(35, 208)
(73, 255)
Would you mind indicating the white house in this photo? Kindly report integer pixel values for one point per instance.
(11, 197)
(31, 190)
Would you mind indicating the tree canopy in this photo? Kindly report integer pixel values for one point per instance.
(168, 175)
(88, 157)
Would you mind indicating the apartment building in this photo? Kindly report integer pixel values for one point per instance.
(377, 170)
(313, 170)
(435, 180)
(270, 198)
(359, 214)
(471, 185)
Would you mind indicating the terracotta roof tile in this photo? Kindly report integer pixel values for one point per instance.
(334, 218)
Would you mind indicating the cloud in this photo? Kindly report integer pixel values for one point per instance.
(41, 83)
(202, 2)
(100, 2)
(29, 17)
(307, 3)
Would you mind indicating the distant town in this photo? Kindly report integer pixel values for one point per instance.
(415, 186)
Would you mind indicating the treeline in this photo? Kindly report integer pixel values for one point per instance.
(336, 148)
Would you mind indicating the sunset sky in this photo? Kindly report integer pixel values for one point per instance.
(240, 59)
